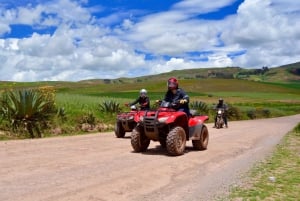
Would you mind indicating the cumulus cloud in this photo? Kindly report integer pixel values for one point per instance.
(267, 30)
(72, 40)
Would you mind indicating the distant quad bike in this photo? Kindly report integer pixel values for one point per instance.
(126, 121)
(220, 118)
(171, 128)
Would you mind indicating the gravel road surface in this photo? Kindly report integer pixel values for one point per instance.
(104, 168)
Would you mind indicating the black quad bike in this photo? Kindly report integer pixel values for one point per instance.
(127, 121)
(171, 128)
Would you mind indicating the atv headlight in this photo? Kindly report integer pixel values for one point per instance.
(130, 118)
(163, 119)
(141, 118)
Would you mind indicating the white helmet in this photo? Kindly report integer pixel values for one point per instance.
(143, 92)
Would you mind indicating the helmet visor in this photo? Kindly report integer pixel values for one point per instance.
(172, 85)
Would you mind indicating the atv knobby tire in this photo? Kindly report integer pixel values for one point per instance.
(203, 142)
(139, 141)
(176, 141)
(119, 130)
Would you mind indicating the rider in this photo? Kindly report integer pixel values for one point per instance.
(223, 106)
(177, 95)
(143, 100)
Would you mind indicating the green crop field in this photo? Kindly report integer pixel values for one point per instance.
(80, 100)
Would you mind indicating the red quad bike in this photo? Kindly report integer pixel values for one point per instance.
(171, 128)
(127, 121)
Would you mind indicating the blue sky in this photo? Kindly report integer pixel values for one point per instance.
(71, 40)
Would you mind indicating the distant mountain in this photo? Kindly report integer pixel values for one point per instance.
(282, 74)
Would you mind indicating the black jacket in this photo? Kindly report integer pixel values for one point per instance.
(144, 102)
(222, 106)
(174, 98)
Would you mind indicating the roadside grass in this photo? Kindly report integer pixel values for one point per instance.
(277, 178)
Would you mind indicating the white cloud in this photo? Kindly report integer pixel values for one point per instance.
(85, 46)
(266, 31)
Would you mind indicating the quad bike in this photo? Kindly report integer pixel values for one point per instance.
(220, 118)
(171, 128)
(126, 121)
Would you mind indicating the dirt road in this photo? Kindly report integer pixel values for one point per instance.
(104, 168)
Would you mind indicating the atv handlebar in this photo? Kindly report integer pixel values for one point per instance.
(166, 104)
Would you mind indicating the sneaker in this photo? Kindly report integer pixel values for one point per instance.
(226, 126)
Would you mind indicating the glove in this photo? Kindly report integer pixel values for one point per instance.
(183, 101)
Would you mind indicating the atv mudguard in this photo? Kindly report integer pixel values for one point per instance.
(195, 126)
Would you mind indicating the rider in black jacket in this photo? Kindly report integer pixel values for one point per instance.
(223, 106)
(143, 100)
(177, 96)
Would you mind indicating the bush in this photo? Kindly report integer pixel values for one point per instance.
(258, 113)
(28, 110)
(200, 107)
(234, 113)
(251, 114)
(109, 107)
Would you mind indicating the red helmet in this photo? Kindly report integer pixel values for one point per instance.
(172, 83)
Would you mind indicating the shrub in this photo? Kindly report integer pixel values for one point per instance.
(258, 113)
(88, 118)
(61, 114)
(234, 113)
(87, 121)
(109, 107)
(28, 110)
(251, 114)
(199, 106)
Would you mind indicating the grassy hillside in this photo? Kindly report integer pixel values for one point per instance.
(206, 80)
(283, 74)
(268, 97)
(205, 84)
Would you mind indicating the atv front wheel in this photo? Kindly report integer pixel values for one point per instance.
(119, 130)
(203, 142)
(139, 141)
(176, 141)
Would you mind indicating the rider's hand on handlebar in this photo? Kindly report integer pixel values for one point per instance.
(183, 101)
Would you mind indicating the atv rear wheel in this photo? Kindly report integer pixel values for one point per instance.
(176, 141)
(139, 141)
(119, 130)
(203, 142)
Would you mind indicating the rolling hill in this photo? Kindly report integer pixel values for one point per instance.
(279, 79)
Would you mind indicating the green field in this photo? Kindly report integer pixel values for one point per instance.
(278, 95)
